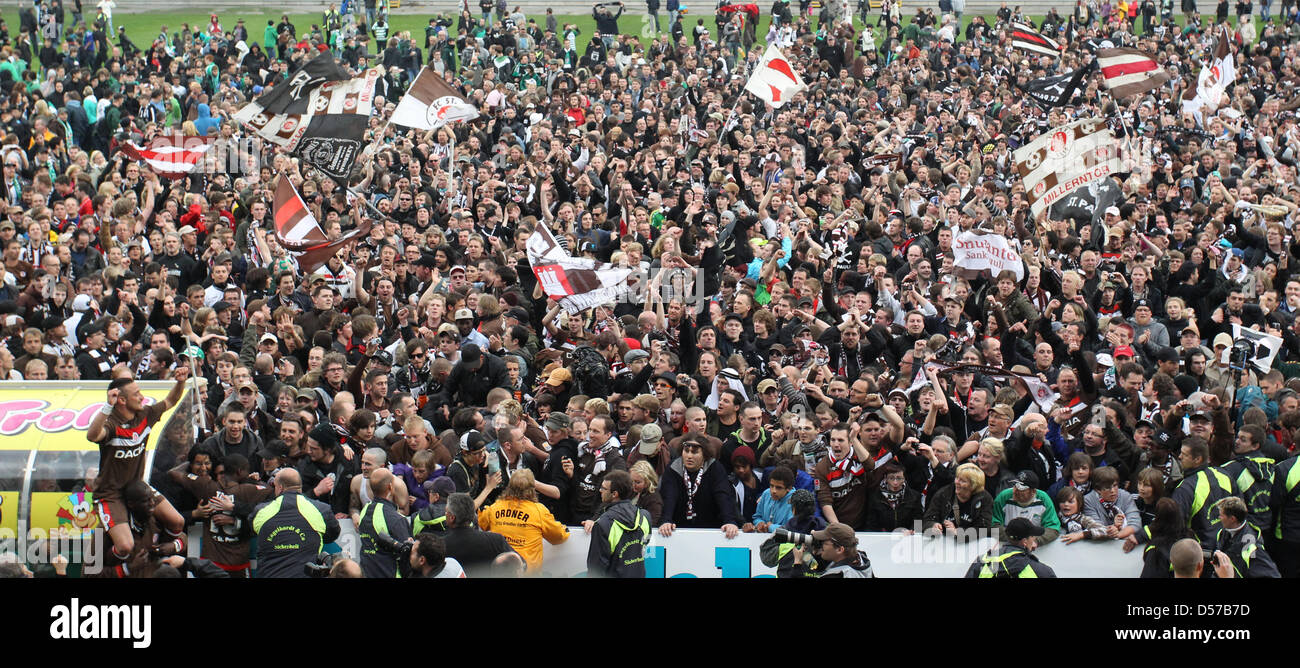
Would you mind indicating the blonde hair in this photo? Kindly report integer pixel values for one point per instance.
(521, 486)
(996, 447)
(647, 471)
(972, 475)
(597, 406)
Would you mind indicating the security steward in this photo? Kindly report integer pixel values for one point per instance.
(1202, 487)
(1239, 539)
(291, 529)
(1252, 471)
(1012, 558)
(381, 516)
(620, 534)
(1284, 544)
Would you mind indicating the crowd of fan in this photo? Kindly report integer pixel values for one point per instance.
(820, 281)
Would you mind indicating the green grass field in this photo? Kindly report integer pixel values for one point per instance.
(142, 28)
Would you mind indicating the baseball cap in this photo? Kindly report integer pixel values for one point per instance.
(1026, 480)
(192, 351)
(1201, 415)
(473, 440)
(268, 337)
(221, 306)
(448, 328)
(518, 313)
(1168, 440)
(559, 376)
(1112, 211)
(456, 269)
(1005, 411)
(187, 229)
(558, 420)
(464, 314)
(634, 355)
(875, 415)
(470, 355)
(1104, 359)
(1122, 351)
(765, 385)
(1021, 528)
(1221, 339)
(651, 437)
(443, 486)
(304, 393)
(839, 533)
(81, 303)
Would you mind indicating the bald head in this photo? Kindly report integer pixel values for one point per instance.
(288, 480)
(381, 483)
(1185, 556)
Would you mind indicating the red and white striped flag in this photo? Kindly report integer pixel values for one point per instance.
(1026, 38)
(172, 156)
(1130, 71)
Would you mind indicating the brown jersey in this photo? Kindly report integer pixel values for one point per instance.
(226, 546)
(121, 453)
(141, 563)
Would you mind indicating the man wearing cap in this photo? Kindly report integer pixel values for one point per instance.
(473, 377)
(465, 325)
(325, 474)
(1012, 558)
(1146, 330)
(1025, 500)
(653, 448)
(836, 547)
(93, 361)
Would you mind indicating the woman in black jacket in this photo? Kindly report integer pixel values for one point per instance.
(962, 505)
(893, 505)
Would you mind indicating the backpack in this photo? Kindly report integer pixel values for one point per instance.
(590, 372)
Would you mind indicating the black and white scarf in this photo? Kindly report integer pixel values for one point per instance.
(692, 486)
(892, 498)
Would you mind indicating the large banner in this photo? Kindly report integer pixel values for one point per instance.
(977, 250)
(1066, 158)
(576, 283)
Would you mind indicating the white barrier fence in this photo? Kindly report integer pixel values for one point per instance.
(706, 553)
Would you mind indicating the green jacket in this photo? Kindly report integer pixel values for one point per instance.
(1041, 511)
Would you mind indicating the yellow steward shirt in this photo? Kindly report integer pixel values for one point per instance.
(524, 524)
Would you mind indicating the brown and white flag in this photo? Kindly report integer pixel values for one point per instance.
(298, 231)
(1066, 158)
(1130, 71)
(431, 103)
